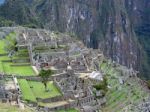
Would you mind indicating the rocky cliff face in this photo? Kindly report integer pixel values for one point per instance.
(139, 14)
(105, 24)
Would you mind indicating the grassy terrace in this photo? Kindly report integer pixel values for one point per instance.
(2, 44)
(6, 66)
(32, 90)
(9, 108)
(119, 96)
(17, 70)
(26, 91)
(39, 90)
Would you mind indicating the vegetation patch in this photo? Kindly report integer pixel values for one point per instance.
(121, 95)
(2, 44)
(26, 91)
(103, 86)
(7, 45)
(7, 68)
(39, 90)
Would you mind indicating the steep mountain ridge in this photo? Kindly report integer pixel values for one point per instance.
(104, 24)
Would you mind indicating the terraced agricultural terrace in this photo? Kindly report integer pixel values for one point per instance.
(8, 108)
(125, 91)
(37, 90)
(8, 64)
(19, 65)
(83, 80)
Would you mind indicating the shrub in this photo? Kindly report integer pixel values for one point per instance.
(102, 86)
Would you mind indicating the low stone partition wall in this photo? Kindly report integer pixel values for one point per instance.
(80, 69)
(60, 75)
(59, 71)
(21, 60)
(30, 103)
(69, 95)
(20, 64)
(86, 101)
(6, 60)
(7, 76)
(30, 78)
(5, 54)
(54, 99)
(4, 100)
(23, 47)
(62, 107)
(55, 83)
(83, 72)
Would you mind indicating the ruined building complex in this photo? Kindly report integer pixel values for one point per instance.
(77, 70)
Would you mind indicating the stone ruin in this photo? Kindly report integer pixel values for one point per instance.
(77, 90)
(10, 91)
(76, 59)
(51, 54)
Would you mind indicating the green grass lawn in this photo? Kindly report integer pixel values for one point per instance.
(2, 51)
(39, 90)
(23, 70)
(26, 90)
(32, 90)
(17, 70)
(2, 44)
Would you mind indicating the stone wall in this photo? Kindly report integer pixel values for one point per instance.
(54, 99)
(4, 54)
(21, 60)
(86, 101)
(63, 107)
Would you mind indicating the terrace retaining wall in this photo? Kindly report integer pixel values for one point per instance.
(5, 54)
(63, 107)
(6, 60)
(54, 99)
(20, 65)
(21, 60)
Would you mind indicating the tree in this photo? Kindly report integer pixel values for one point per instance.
(102, 86)
(11, 43)
(5, 23)
(45, 74)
